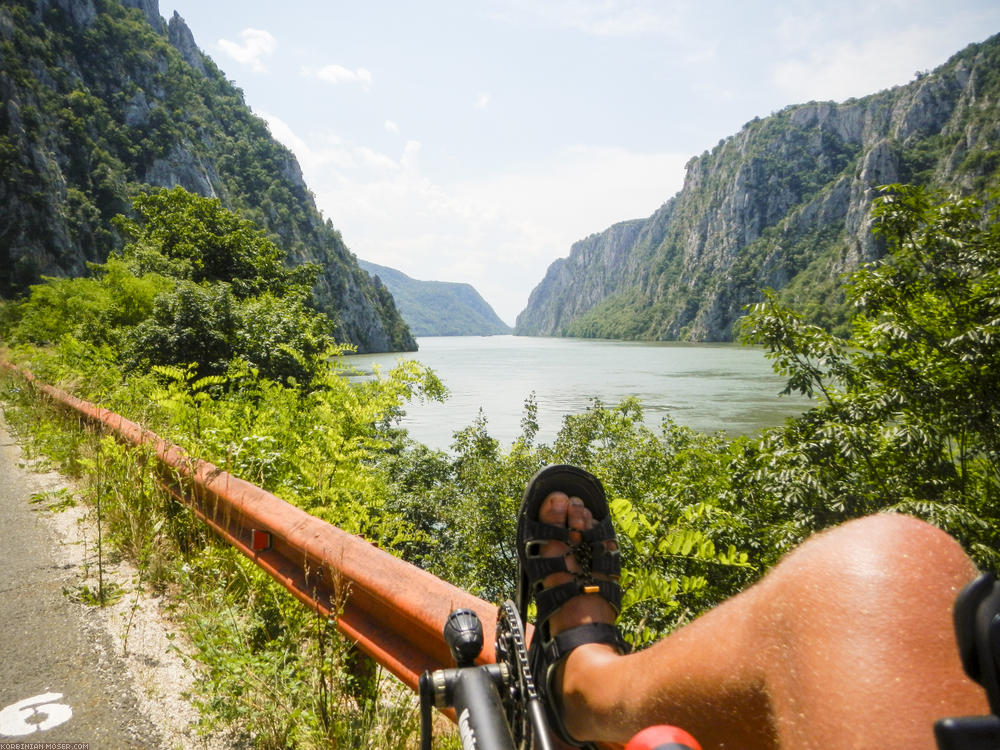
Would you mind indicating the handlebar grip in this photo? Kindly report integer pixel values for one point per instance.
(663, 737)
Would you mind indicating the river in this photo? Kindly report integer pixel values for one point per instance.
(710, 387)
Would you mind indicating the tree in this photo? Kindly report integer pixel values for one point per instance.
(194, 285)
(181, 234)
(909, 416)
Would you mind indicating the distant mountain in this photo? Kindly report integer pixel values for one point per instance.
(103, 99)
(783, 204)
(438, 308)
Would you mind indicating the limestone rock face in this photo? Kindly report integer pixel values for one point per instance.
(95, 118)
(785, 203)
(182, 167)
(569, 291)
(182, 39)
(150, 9)
(79, 12)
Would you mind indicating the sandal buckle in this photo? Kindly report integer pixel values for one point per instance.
(584, 554)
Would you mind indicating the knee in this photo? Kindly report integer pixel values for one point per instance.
(889, 543)
(885, 556)
(857, 623)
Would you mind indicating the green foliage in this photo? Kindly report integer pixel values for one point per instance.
(191, 323)
(195, 284)
(87, 308)
(272, 669)
(185, 236)
(278, 672)
(905, 419)
(682, 552)
(908, 418)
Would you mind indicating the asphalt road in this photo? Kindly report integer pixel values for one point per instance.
(60, 679)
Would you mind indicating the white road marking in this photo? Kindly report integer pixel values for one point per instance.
(22, 717)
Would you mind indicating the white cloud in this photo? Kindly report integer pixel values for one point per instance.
(319, 154)
(337, 74)
(846, 69)
(257, 44)
(609, 18)
(837, 52)
(482, 101)
(410, 160)
(391, 127)
(499, 233)
(283, 134)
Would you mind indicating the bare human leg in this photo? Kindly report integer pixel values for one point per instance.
(847, 643)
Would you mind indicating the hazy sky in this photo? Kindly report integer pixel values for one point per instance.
(475, 141)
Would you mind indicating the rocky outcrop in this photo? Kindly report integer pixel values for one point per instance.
(182, 167)
(182, 39)
(89, 120)
(79, 12)
(150, 9)
(568, 290)
(785, 203)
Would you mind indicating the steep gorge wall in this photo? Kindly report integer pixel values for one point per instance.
(784, 204)
(568, 291)
(101, 102)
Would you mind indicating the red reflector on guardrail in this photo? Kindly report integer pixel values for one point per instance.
(260, 540)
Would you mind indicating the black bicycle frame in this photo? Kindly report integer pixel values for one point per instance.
(494, 709)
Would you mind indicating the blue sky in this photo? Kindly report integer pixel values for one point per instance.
(476, 141)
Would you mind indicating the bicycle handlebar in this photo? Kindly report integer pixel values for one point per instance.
(496, 704)
(977, 629)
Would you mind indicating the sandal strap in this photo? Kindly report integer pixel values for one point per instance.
(536, 531)
(608, 563)
(603, 531)
(601, 560)
(549, 600)
(545, 659)
(539, 568)
(592, 632)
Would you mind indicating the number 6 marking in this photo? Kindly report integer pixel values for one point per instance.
(22, 717)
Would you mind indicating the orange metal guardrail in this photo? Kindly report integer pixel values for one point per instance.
(394, 610)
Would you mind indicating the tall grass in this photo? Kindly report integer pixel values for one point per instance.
(272, 671)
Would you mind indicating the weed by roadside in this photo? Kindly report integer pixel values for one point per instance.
(273, 673)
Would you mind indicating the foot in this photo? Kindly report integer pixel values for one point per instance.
(571, 678)
(561, 510)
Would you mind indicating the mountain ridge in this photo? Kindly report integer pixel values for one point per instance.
(784, 203)
(103, 99)
(438, 308)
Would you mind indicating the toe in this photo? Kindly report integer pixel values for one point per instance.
(578, 515)
(554, 509)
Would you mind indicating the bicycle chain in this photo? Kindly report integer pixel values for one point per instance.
(512, 651)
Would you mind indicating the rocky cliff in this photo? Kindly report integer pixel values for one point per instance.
(438, 308)
(101, 100)
(783, 204)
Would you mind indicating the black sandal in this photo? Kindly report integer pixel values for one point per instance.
(591, 555)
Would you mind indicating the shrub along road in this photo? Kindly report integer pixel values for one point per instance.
(60, 678)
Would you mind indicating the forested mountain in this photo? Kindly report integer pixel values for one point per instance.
(438, 308)
(783, 204)
(103, 100)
